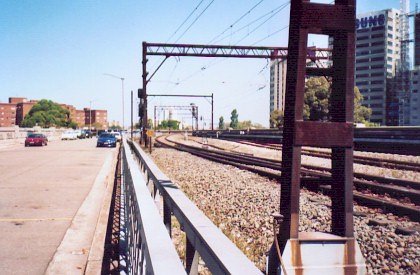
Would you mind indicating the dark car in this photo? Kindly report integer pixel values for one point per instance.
(36, 139)
(88, 134)
(106, 140)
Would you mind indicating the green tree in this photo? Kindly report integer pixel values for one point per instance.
(361, 113)
(276, 119)
(317, 95)
(46, 113)
(246, 124)
(234, 119)
(150, 123)
(169, 124)
(221, 123)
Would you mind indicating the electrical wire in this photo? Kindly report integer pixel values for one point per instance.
(186, 19)
(195, 20)
(265, 21)
(236, 21)
(252, 22)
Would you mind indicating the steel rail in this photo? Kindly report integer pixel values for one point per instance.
(217, 251)
(365, 160)
(321, 180)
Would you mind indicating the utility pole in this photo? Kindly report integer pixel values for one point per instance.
(143, 99)
(212, 111)
(90, 115)
(132, 115)
(122, 93)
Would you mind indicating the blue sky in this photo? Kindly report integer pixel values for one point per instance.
(60, 50)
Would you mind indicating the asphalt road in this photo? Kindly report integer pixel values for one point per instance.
(41, 189)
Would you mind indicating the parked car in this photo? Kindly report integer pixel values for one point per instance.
(88, 134)
(117, 135)
(106, 140)
(36, 139)
(79, 133)
(69, 135)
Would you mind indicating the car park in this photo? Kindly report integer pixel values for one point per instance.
(36, 140)
(106, 140)
(69, 135)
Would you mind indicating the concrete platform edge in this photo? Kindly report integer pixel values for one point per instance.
(72, 254)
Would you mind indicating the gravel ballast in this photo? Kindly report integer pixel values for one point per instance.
(241, 204)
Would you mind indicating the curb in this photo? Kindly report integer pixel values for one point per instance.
(72, 254)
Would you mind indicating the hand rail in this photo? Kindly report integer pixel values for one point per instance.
(150, 249)
(217, 251)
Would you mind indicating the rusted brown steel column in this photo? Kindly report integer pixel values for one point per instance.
(291, 153)
(338, 21)
(144, 92)
(342, 105)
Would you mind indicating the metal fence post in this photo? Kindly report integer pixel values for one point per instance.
(191, 258)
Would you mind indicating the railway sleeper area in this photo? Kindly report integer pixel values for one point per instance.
(211, 203)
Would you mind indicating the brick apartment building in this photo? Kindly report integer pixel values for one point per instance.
(14, 112)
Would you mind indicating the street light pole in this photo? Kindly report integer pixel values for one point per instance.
(90, 115)
(122, 93)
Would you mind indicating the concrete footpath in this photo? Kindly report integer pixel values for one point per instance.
(50, 203)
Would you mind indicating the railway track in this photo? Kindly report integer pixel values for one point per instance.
(400, 197)
(372, 161)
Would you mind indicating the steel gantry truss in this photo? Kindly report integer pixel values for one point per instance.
(194, 50)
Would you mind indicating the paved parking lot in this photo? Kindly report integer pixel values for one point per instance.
(41, 189)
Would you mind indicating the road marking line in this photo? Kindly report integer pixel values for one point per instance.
(35, 220)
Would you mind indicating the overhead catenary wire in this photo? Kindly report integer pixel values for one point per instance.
(195, 20)
(236, 21)
(262, 23)
(185, 20)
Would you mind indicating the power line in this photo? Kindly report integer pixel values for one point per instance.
(250, 23)
(271, 34)
(265, 21)
(186, 19)
(236, 21)
(195, 20)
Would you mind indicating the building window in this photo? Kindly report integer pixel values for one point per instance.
(362, 68)
(389, 59)
(390, 35)
(364, 60)
(378, 35)
(377, 66)
(365, 45)
(377, 43)
(378, 51)
(362, 75)
(414, 91)
(376, 74)
(389, 51)
(362, 38)
(415, 82)
(360, 83)
(390, 43)
(377, 28)
(390, 28)
(381, 58)
(377, 82)
(362, 30)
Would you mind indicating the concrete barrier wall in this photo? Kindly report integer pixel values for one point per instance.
(16, 135)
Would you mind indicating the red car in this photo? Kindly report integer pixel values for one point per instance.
(36, 139)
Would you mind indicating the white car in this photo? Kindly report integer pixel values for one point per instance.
(117, 135)
(69, 135)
